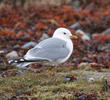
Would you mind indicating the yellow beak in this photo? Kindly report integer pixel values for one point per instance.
(74, 37)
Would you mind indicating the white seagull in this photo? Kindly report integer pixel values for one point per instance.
(52, 51)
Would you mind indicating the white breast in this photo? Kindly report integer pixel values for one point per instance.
(70, 47)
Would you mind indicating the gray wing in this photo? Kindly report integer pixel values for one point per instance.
(50, 49)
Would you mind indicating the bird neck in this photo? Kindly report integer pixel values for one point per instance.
(62, 38)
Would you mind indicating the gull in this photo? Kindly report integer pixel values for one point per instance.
(51, 51)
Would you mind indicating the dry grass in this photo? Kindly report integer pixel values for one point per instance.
(43, 85)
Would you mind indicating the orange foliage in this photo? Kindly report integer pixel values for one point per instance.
(7, 31)
(102, 37)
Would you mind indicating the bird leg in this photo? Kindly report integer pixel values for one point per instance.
(55, 69)
(48, 69)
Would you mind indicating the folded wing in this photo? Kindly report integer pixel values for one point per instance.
(50, 49)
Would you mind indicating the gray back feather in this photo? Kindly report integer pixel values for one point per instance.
(51, 49)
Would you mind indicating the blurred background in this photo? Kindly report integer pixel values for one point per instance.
(28, 3)
(24, 23)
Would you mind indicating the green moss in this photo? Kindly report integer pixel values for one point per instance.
(43, 85)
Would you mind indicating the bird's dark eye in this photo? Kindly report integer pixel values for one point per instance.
(64, 33)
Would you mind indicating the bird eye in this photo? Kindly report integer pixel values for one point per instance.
(64, 33)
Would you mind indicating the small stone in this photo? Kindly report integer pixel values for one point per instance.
(86, 59)
(16, 46)
(21, 59)
(95, 35)
(84, 64)
(76, 4)
(10, 61)
(70, 78)
(1, 98)
(82, 34)
(90, 80)
(27, 45)
(75, 26)
(107, 31)
(67, 79)
(12, 54)
(1, 51)
(44, 36)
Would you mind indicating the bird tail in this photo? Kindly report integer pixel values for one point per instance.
(20, 62)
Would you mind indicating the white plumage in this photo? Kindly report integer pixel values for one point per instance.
(54, 50)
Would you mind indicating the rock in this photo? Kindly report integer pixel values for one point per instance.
(76, 4)
(1, 98)
(90, 80)
(16, 46)
(12, 54)
(107, 31)
(75, 26)
(97, 76)
(3, 51)
(22, 72)
(84, 64)
(27, 45)
(67, 78)
(70, 78)
(44, 36)
(86, 59)
(82, 34)
(95, 34)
